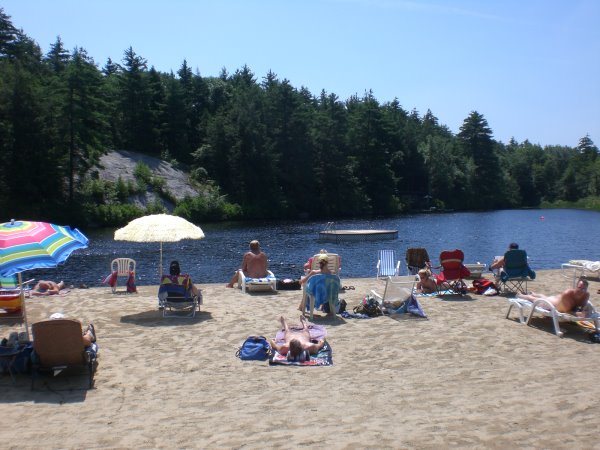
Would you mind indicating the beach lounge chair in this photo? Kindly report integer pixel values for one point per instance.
(321, 289)
(249, 284)
(387, 264)
(121, 267)
(58, 345)
(527, 309)
(397, 289)
(176, 298)
(577, 268)
(12, 300)
(416, 259)
(516, 272)
(453, 271)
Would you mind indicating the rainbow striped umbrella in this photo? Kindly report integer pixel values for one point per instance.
(26, 245)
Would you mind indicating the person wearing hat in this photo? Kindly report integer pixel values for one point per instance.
(323, 268)
(499, 261)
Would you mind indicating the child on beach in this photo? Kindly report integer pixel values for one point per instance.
(426, 284)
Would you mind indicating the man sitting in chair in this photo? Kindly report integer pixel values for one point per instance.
(175, 278)
(569, 301)
(254, 264)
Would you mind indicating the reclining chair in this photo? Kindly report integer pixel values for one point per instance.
(452, 274)
(175, 296)
(58, 345)
(416, 259)
(387, 265)
(322, 289)
(247, 284)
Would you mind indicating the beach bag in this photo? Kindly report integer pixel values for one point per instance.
(288, 285)
(481, 285)
(369, 306)
(254, 347)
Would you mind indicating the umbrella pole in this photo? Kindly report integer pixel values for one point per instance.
(160, 271)
(22, 295)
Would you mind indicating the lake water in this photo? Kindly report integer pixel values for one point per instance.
(550, 237)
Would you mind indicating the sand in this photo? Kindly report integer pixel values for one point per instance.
(466, 377)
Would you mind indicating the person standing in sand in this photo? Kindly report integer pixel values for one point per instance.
(570, 300)
(297, 346)
(254, 264)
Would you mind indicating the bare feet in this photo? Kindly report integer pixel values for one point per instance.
(229, 285)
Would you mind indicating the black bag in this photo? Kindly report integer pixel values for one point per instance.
(288, 285)
(369, 306)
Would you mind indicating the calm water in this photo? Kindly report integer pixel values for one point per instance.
(550, 237)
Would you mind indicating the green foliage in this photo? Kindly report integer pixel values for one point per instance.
(270, 149)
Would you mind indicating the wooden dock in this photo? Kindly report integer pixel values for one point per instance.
(357, 235)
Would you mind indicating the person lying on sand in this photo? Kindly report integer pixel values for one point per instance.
(297, 346)
(44, 287)
(570, 300)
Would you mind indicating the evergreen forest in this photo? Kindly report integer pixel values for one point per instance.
(254, 148)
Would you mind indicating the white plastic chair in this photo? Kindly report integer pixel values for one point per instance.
(122, 266)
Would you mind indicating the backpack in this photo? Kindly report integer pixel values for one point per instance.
(369, 306)
(481, 285)
(254, 347)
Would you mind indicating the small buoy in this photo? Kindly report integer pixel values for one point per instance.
(541, 217)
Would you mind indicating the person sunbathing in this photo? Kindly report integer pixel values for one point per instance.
(44, 287)
(568, 301)
(297, 344)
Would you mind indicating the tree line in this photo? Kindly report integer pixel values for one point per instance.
(254, 149)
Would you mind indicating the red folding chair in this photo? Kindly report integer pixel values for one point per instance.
(450, 279)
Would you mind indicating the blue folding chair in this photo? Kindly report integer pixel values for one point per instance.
(387, 265)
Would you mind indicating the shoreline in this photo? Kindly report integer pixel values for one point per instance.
(465, 377)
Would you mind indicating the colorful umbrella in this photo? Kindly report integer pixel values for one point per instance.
(159, 228)
(26, 245)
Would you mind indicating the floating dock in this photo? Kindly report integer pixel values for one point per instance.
(357, 235)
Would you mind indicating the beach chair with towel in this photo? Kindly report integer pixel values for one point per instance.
(249, 284)
(516, 272)
(453, 271)
(577, 268)
(121, 267)
(527, 309)
(58, 346)
(323, 289)
(176, 297)
(387, 264)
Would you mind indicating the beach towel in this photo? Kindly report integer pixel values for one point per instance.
(131, 283)
(323, 358)
(110, 279)
(410, 306)
(317, 332)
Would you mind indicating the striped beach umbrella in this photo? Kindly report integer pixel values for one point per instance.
(26, 245)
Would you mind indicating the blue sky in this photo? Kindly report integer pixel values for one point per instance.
(531, 67)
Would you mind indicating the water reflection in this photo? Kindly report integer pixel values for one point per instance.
(549, 236)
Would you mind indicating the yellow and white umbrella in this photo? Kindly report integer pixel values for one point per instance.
(159, 228)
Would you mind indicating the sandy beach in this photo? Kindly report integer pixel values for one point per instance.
(466, 377)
